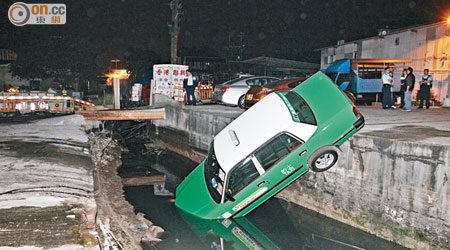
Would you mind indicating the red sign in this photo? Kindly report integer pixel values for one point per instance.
(159, 72)
(183, 72)
(175, 72)
(166, 72)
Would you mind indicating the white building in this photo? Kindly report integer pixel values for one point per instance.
(428, 46)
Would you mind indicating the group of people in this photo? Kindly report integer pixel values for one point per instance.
(407, 82)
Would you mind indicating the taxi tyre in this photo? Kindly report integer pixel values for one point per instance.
(327, 156)
(241, 102)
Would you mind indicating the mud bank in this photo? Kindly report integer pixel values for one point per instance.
(60, 189)
(385, 183)
(115, 216)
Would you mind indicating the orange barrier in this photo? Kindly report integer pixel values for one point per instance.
(58, 104)
(51, 104)
(202, 92)
(84, 105)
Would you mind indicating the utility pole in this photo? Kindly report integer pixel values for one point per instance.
(174, 29)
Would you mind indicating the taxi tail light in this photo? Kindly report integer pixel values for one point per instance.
(356, 111)
(224, 88)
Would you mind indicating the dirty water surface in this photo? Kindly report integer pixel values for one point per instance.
(276, 224)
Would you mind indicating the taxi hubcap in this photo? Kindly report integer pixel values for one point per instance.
(324, 161)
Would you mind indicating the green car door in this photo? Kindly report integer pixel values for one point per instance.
(261, 172)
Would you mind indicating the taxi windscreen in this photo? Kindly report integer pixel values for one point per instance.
(214, 175)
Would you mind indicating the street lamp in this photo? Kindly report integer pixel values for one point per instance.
(116, 76)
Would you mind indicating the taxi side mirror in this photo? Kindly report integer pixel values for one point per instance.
(228, 196)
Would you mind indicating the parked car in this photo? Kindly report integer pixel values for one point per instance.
(268, 147)
(256, 93)
(233, 92)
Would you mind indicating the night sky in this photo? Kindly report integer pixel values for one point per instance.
(285, 29)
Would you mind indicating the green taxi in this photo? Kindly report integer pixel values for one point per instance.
(268, 147)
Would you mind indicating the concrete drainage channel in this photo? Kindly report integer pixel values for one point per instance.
(142, 144)
(377, 186)
(144, 155)
(391, 180)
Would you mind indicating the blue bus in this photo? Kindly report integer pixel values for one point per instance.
(362, 77)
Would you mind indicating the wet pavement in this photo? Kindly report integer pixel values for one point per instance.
(430, 126)
(276, 224)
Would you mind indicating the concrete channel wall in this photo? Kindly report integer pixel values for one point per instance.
(189, 131)
(396, 189)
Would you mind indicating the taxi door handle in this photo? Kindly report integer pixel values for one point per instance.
(262, 182)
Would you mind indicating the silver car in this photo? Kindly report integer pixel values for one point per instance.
(233, 92)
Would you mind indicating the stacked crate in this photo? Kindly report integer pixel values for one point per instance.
(136, 92)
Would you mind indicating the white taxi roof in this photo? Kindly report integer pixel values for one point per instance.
(253, 128)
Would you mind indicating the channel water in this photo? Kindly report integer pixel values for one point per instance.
(277, 224)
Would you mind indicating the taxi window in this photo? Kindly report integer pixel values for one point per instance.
(241, 176)
(301, 108)
(276, 150)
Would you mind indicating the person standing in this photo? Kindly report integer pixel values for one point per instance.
(189, 86)
(387, 82)
(403, 87)
(425, 88)
(391, 74)
(410, 81)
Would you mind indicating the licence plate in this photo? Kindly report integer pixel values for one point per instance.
(249, 97)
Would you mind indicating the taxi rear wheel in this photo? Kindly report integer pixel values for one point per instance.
(323, 159)
(241, 102)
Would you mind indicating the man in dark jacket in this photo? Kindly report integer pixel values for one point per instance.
(425, 88)
(410, 81)
(189, 85)
(403, 87)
